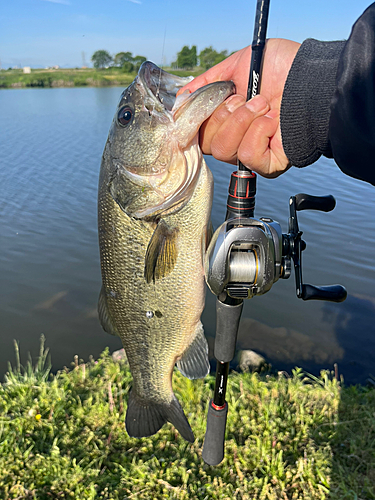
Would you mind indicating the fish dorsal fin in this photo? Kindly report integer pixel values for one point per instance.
(194, 361)
(104, 317)
(161, 254)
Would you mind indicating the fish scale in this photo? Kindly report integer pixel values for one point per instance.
(185, 282)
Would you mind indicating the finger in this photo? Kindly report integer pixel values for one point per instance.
(212, 75)
(261, 148)
(211, 126)
(226, 141)
(199, 81)
(225, 70)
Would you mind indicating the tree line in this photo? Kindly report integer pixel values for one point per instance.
(125, 60)
(187, 58)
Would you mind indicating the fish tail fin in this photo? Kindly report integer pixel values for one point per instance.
(145, 418)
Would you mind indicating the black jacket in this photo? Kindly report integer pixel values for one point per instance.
(328, 104)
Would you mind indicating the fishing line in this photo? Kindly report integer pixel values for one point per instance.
(161, 65)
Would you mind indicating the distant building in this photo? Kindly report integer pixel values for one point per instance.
(26, 69)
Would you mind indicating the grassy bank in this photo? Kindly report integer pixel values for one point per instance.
(49, 78)
(296, 437)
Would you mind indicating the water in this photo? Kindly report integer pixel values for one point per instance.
(51, 145)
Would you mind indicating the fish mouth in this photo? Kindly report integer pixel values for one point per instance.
(176, 170)
(161, 85)
(187, 111)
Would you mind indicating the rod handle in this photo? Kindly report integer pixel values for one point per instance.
(227, 321)
(213, 447)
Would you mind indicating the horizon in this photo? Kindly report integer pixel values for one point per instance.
(45, 33)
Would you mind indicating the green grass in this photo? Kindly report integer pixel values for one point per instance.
(299, 437)
(74, 77)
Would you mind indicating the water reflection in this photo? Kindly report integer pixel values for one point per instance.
(354, 329)
(52, 141)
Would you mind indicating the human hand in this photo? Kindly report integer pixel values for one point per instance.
(249, 131)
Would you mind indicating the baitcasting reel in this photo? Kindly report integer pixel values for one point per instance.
(247, 256)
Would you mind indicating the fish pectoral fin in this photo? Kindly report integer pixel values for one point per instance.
(194, 361)
(104, 317)
(161, 254)
(145, 418)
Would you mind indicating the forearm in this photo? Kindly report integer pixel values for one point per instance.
(305, 106)
(328, 104)
(352, 121)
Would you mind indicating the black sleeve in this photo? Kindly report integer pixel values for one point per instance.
(328, 104)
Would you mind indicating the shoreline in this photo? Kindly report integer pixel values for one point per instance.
(69, 78)
(288, 436)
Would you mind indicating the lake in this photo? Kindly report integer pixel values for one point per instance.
(51, 146)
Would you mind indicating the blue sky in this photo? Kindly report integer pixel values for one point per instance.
(42, 33)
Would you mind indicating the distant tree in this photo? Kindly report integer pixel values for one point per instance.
(138, 61)
(186, 58)
(101, 59)
(209, 57)
(127, 67)
(123, 57)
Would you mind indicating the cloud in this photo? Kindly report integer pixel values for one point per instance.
(135, 1)
(64, 2)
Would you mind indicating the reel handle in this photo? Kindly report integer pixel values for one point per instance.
(331, 293)
(308, 202)
(293, 245)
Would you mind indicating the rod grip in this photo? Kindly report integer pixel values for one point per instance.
(227, 321)
(213, 447)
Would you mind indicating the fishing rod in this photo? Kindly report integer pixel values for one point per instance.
(246, 256)
(241, 202)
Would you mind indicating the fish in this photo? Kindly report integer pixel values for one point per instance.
(154, 206)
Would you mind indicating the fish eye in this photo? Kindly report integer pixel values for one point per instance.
(125, 116)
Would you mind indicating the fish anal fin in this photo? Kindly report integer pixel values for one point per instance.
(161, 254)
(145, 418)
(194, 361)
(104, 317)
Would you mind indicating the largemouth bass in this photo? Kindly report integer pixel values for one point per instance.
(155, 195)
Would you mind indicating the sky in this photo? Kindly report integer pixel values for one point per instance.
(41, 33)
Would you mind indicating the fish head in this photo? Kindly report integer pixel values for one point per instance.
(153, 141)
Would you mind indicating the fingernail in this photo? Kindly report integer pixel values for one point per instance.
(233, 102)
(186, 91)
(257, 104)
